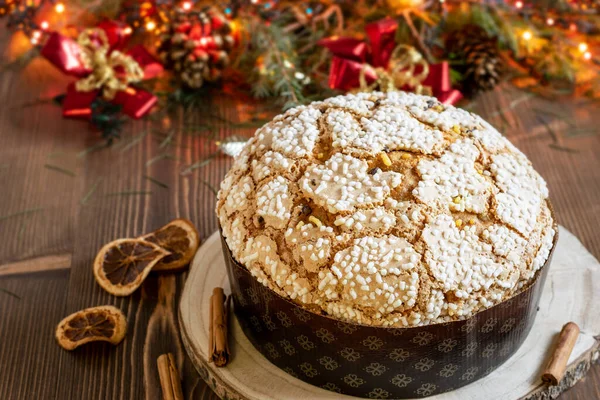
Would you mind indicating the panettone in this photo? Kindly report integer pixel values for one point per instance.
(386, 209)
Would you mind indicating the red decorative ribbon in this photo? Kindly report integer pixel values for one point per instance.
(354, 56)
(439, 81)
(68, 56)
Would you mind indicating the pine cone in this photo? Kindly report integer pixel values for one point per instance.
(195, 57)
(195, 70)
(483, 65)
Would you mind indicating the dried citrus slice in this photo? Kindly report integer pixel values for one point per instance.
(180, 238)
(122, 265)
(103, 323)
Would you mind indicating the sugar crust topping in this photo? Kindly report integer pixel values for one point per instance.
(386, 209)
(274, 203)
(344, 183)
(452, 181)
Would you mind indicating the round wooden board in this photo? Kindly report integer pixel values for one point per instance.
(571, 293)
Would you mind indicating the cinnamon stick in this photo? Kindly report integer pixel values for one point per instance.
(558, 363)
(218, 346)
(169, 377)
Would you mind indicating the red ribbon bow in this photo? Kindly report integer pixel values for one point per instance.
(67, 55)
(350, 57)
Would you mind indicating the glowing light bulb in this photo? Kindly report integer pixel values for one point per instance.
(587, 55)
(59, 8)
(34, 41)
(550, 21)
(519, 4)
(36, 34)
(127, 30)
(150, 26)
(44, 25)
(583, 47)
(527, 35)
(573, 27)
(187, 5)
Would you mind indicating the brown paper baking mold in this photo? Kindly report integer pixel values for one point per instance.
(380, 362)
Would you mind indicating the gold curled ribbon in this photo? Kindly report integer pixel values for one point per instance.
(400, 73)
(110, 72)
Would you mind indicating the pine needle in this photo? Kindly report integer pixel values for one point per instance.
(61, 170)
(566, 117)
(130, 193)
(511, 106)
(562, 148)
(199, 164)
(22, 61)
(201, 128)
(218, 117)
(158, 137)
(155, 159)
(521, 99)
(37, 102)
(19, 213)
(156, 182)
(505, 121)
(210, 187)
(553, 134)
(55, 154)
(90, 192)
(167, 140)
(134, 141)
(8, 292)
(91, 149)
(247, 125)
(574, 133)
(21, 231)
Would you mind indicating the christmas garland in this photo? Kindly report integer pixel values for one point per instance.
(299, 51)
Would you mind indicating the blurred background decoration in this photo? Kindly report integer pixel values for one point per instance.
(291, 50)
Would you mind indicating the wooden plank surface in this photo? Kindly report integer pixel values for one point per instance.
(60, 201)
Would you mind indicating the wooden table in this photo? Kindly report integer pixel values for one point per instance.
(62, 198)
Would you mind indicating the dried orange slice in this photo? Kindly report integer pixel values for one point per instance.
(180, 238)
(103, 323)
(122, 265)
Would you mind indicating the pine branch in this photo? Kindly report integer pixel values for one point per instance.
(272, 57)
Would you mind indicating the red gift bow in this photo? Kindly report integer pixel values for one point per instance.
(353, 57)
(67, 55)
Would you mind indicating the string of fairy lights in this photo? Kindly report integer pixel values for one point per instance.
(526, 10)
(31, 17)
(148, 16)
